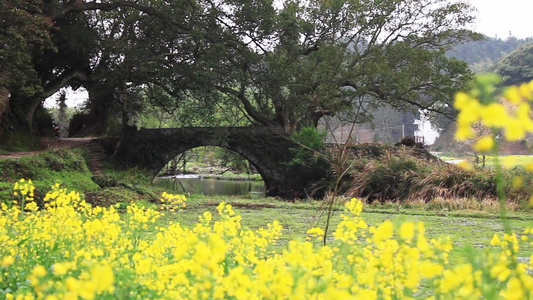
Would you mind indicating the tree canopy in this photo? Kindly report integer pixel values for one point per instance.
(24, 33)
(279, 64)
(517, 66)
(482, 55)
(292, 65)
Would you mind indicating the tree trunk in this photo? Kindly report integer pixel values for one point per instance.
(21, 111)
(4, 110)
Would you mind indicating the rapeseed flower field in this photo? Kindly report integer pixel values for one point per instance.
(67, 249)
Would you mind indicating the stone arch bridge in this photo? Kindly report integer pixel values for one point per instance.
(267, 149)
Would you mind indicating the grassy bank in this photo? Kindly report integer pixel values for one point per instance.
(64, 165)
(68, 167)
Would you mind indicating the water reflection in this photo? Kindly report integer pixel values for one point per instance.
(195, 184)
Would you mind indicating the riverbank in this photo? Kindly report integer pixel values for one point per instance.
(225, 176)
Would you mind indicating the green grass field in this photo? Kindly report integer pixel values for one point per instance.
(508, 161)
(467, 229)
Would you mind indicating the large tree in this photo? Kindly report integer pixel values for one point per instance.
(24, 33)
(517, 66)
(284, 65)
(290, 66)
(47, 45)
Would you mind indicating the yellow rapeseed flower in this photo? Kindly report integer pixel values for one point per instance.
(103, 278)
(465, 165)
(514, 290)
(512, 94)
(495, 241)
(31, 206)
(317, 231)
(461, 100)
(484, 144)
(463, 132)
(471, 113)
(383, 231)
(355, 206)
(429, 269)
(407, 230)
(7, 261)
(59, 269)
(39, 271)
(98, 253)
(494, 115)
(526, 91)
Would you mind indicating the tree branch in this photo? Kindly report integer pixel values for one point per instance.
(61, 81)
(248, 107)
(78, 6)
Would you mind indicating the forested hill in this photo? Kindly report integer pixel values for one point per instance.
(482, 55)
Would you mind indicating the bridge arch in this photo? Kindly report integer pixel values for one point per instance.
(208, 159)
(266, 149)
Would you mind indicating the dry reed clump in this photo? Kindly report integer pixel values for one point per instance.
(402, 178)
(450, 204)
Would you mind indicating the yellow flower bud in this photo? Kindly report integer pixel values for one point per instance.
(512, 94)
(39, 271)
(525, 91)
(495, 240)
(461, 99)
(465, 165)
(463, 133)
(7, 261)
(484, 144)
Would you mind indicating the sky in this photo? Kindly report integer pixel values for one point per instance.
(496, 18)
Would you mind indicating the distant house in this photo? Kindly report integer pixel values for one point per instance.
(388, 126)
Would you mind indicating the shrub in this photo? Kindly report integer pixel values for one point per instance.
(402, 177)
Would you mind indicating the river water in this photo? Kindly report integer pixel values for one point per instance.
(195, 184)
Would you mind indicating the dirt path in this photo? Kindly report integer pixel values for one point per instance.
(51, 142)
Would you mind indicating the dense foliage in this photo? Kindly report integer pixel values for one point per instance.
(482, 55)
(24, 32)
(256, 62)
(517, 66)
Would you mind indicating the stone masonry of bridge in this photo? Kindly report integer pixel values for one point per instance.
(267, 149)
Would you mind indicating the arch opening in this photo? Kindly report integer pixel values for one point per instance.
(211, 170)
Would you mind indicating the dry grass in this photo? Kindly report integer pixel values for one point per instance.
(455, 204)
(406, 179)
